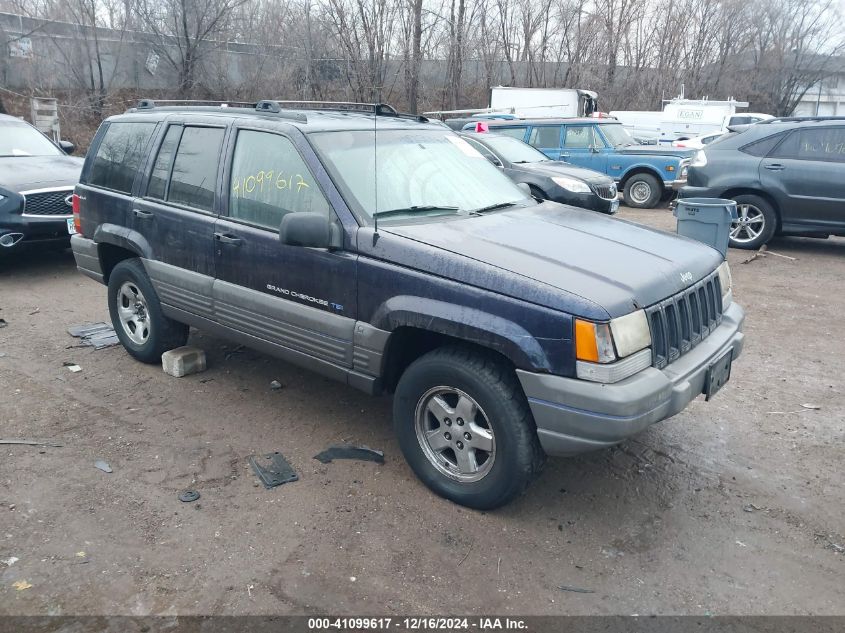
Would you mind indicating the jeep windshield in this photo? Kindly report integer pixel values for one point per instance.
(413, 174)
(20, 139)
(617, 135)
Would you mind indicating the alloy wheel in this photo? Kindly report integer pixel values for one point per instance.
(749, 225)
(133, 313)
(455, 434)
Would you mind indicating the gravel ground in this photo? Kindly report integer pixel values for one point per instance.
(732, 507)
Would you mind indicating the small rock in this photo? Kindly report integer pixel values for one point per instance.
(103, 465)
(275, 385)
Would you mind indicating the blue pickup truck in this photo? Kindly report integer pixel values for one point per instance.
(645, 173)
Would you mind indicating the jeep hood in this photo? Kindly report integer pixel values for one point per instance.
(22, 173)
(615, 264)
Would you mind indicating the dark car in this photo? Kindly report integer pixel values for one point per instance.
(646, 174)
(786, 175)
(505, 328)
(548, 179)
(36, 182)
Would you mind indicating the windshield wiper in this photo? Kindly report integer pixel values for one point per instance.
(494, 207)
(413, 209)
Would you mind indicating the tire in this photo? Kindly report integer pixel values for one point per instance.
(747, 232)
(136, 314)
(500, 442)
(642, 191)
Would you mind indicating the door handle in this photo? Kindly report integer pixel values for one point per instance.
(139, 213)
(774, 167)
(225, 238)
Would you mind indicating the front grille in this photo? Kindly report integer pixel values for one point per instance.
(608, 192)
(47, 202)
(682, 321)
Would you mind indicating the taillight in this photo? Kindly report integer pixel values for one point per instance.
(77, 224)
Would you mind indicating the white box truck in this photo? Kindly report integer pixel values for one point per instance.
(683, 119)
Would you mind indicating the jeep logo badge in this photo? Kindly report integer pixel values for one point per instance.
(686, 277)
(69, 200)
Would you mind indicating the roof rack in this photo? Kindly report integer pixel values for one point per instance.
(378, 109)
(799, 119)
(276, 106)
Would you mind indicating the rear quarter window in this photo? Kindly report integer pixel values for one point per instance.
(120, 155)
(762, 147)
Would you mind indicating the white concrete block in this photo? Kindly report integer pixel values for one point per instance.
(183, 361)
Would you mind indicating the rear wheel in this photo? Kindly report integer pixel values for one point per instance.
(136, 314)
(642, 191)
(465, 427)
(756, 223)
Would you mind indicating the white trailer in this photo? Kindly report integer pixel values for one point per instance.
(526, 103)
(543, 102)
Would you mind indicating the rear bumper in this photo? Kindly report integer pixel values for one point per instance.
(87, 256)
(575, 416)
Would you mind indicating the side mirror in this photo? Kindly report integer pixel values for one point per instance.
(312, 230)
(594, 149)
(67, 147)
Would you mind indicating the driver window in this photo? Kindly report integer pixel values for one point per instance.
(579, 137)
(270, 179)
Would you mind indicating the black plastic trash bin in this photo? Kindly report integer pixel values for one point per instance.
(707, 220)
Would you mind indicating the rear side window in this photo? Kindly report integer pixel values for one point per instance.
(763, 146)
(270, 180)
(817, 144)
(194, 176)
(515, 132)
(164, 160)
(120, 155)
(547, 136)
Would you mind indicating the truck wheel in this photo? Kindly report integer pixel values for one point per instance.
(756, 224)
(465, 428)
(642, 191)
(136, 314)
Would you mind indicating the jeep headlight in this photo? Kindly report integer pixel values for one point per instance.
(699, 160)
(726, 282)
(571, 184)
(612, 351)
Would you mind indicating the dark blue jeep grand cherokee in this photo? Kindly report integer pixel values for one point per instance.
(385, 252)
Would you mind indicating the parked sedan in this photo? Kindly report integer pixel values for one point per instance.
(548, 179)
(36, 186)
(698, 142)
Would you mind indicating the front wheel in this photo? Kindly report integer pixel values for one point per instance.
(136, 314)
(642, 191)
(465, 428)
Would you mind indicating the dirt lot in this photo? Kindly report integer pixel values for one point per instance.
(733, 507)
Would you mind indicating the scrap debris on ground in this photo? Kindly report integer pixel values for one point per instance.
(272, 469)
(97, 335)
(364, 453)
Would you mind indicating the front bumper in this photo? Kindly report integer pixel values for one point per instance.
(575, 416)
(23, 230)
(590, 201)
